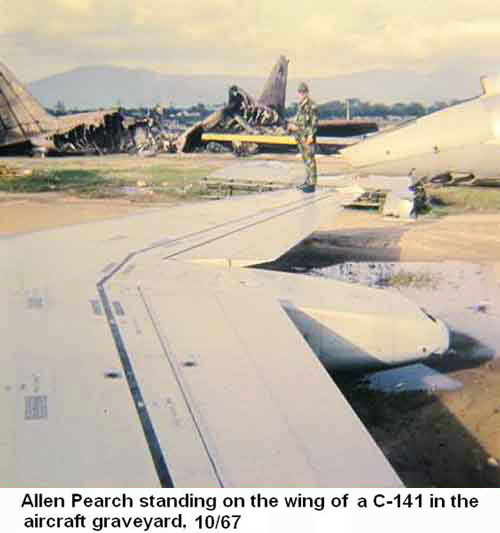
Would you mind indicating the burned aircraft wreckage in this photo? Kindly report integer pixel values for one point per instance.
(262, 121)
(26, 127)
(243, 114)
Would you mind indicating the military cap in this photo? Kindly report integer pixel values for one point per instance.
(303, 88)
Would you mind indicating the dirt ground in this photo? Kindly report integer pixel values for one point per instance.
(37, 211)
(22, 213)
(445, 439)
(440, 439)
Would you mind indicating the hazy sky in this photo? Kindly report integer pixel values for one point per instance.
(323, 39)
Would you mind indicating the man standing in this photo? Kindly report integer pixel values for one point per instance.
(304, 128)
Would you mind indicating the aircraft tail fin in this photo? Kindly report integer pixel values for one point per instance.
(274, 92)
(21, 116)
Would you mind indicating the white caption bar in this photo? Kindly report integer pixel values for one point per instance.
(248, 510)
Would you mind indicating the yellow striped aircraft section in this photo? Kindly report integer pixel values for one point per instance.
(259, 139)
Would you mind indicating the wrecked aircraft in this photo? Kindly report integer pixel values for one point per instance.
(26, 128)
(246, 121)
(460, 140)
(243, 114)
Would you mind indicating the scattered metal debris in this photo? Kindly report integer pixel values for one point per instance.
(461, 179)
(405, 202)
(227, 187)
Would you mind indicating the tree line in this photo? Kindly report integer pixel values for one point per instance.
(358, 108)
(329, 110)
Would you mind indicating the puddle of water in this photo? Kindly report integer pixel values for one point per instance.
(461, 294)
(381, 275)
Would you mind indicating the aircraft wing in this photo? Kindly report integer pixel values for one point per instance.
(125, 362)
(282, 222)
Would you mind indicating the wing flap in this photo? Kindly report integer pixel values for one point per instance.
(273, 232)
(182, 447)
(266, 410)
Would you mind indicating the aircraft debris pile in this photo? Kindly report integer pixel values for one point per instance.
(104, 135)
(243, 114)
(399, 197)
(245, 125)
(214, 148)
(149, 136)
(27, 128)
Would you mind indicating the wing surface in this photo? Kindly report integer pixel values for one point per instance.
(124, 363)
(266, 412)
(272, 232)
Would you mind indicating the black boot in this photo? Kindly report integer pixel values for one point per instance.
(307, 187)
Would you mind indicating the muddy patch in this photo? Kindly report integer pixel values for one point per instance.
(438, 422)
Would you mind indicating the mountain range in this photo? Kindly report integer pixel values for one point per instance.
(104, 86)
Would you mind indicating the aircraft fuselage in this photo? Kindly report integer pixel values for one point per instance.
(464, 139)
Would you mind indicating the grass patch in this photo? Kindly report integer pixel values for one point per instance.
(454, 200)
(161, 175)
(159, 182)
(51, 180)
(417, 280)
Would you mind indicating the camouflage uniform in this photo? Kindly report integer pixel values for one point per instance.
(306, 121)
